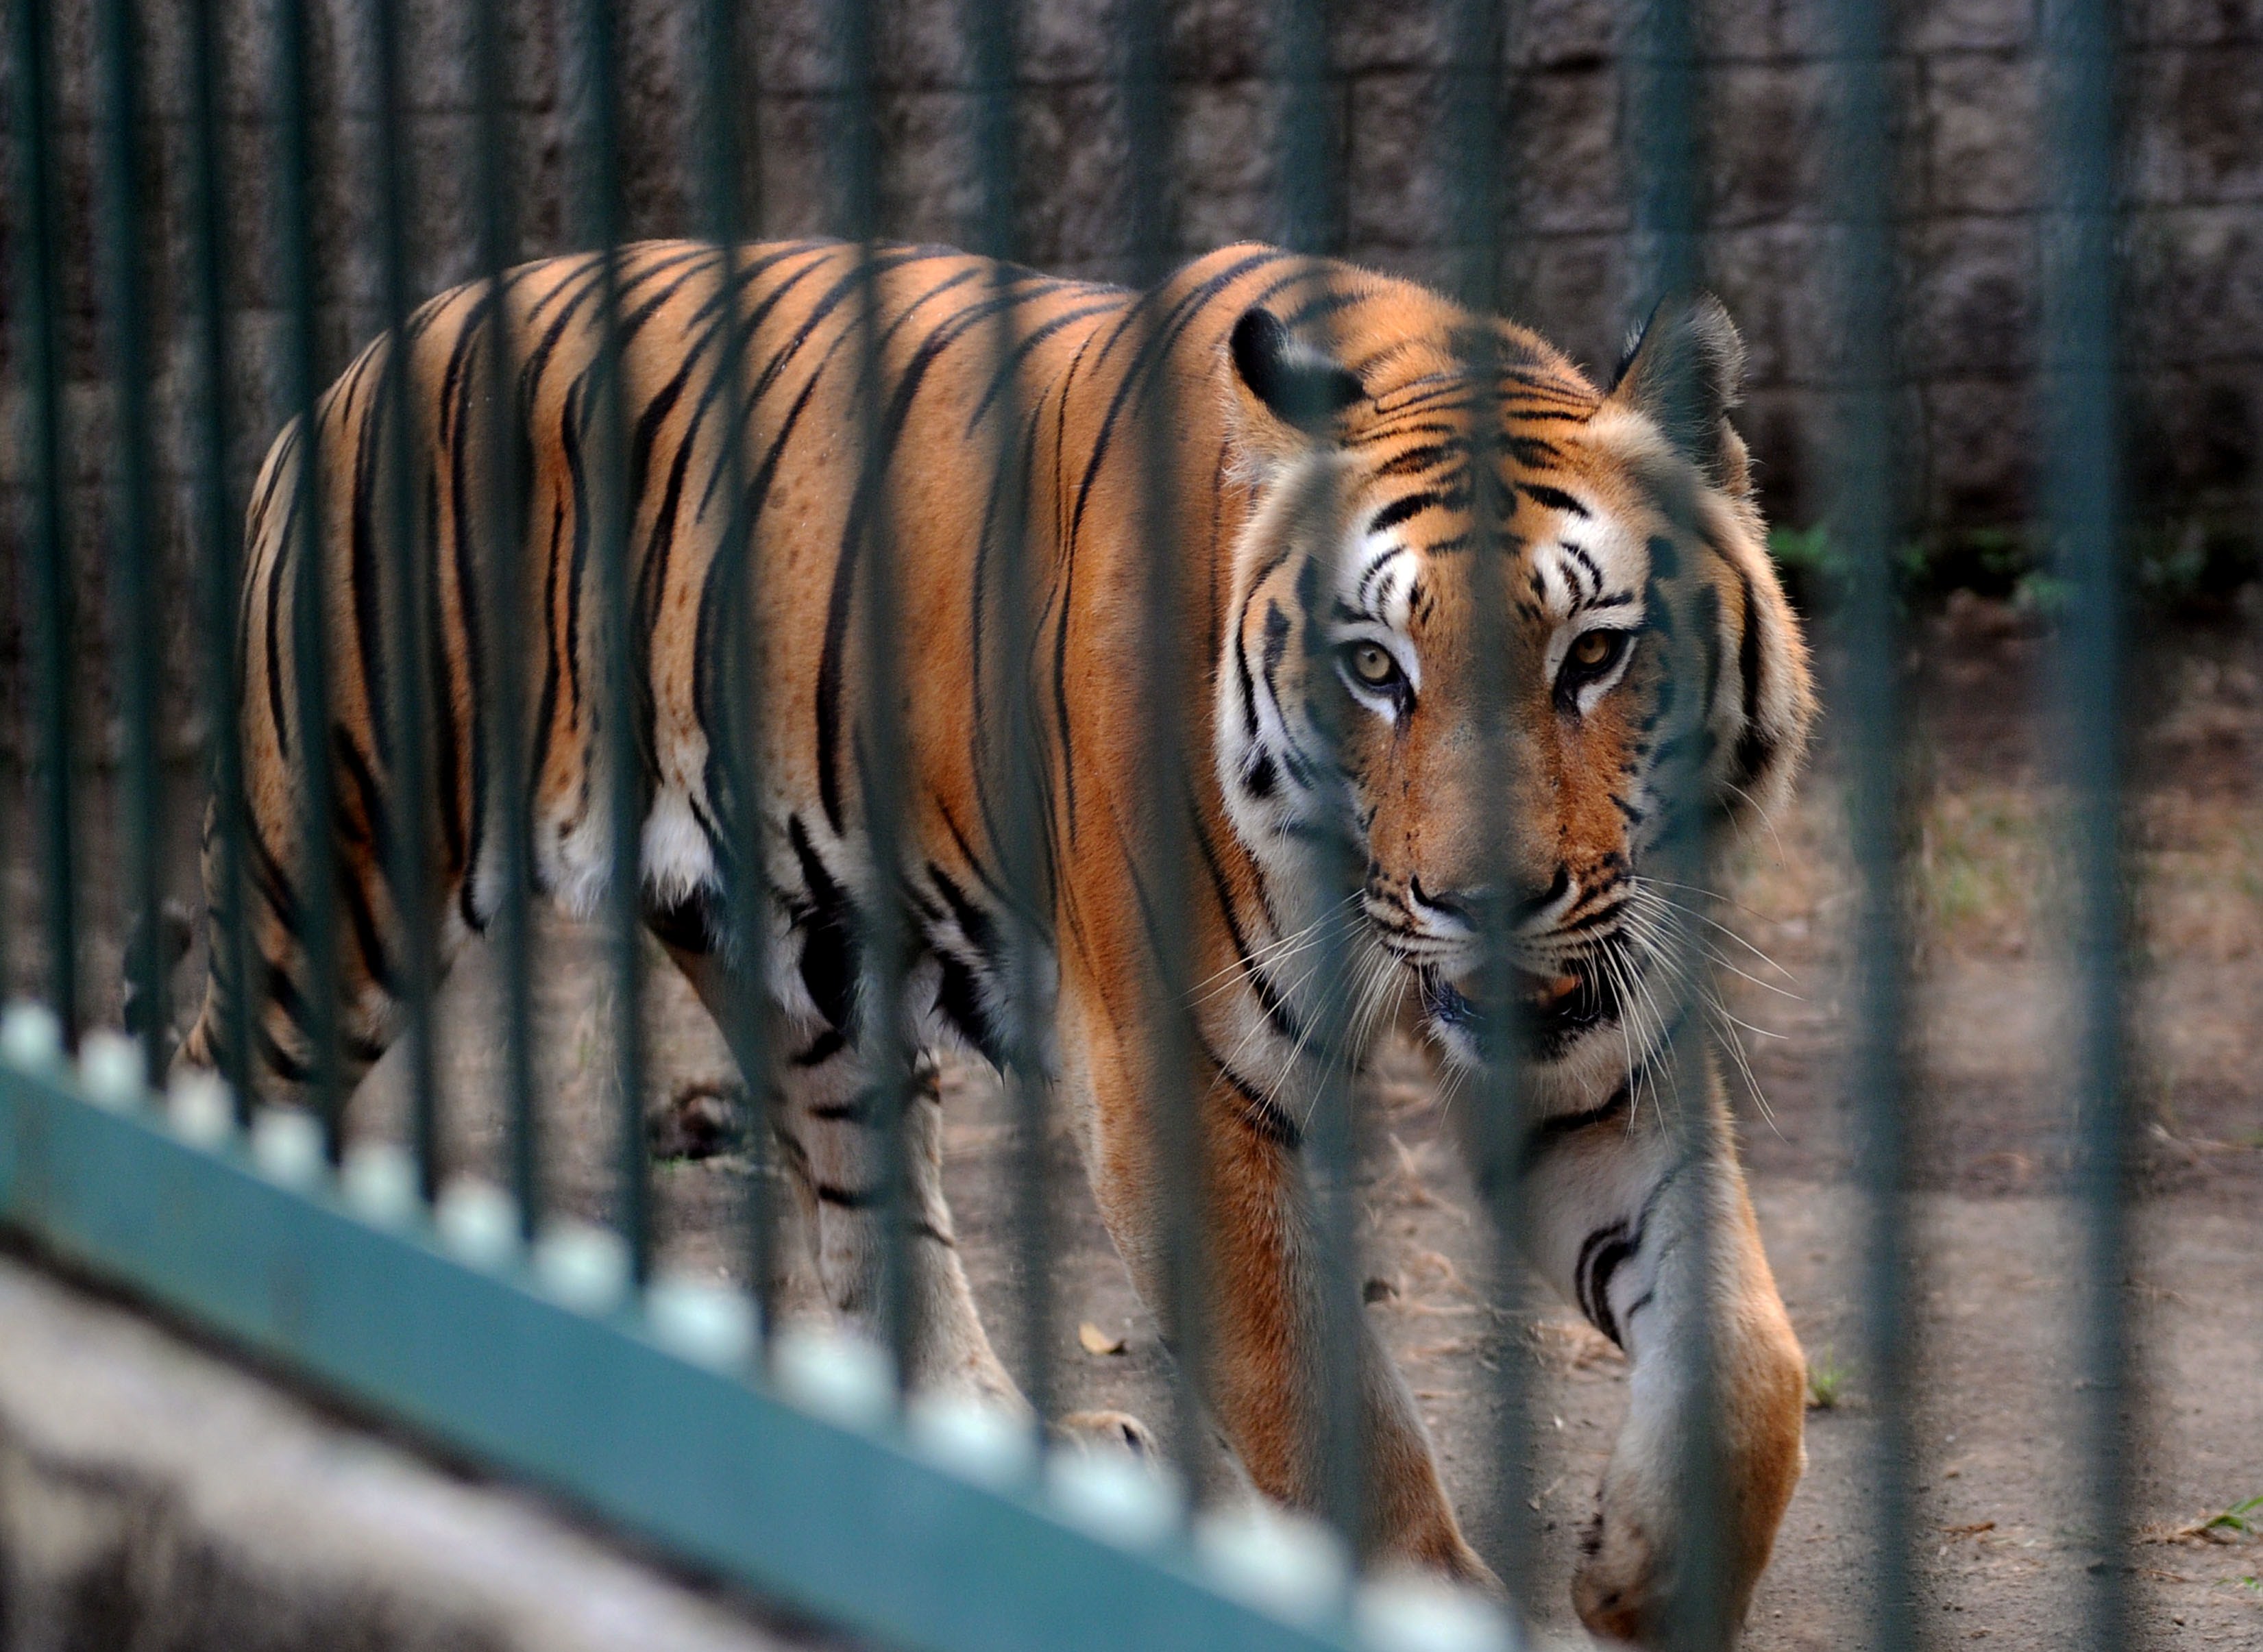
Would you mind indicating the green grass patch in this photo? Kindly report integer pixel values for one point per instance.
(1826, 1381)
(2246, 1519)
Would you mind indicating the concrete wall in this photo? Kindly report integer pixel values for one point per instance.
(1965, 75)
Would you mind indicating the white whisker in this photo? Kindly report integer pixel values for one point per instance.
(1736, 1046)
(1765, 821)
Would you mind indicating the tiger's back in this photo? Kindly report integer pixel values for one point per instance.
(799, 422)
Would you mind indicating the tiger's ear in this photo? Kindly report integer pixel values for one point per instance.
(1683, 371)
(1290, 391)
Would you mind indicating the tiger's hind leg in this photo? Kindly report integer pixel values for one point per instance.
(829, 1137)
(368, 1012)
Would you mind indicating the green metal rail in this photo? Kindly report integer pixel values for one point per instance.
(546, 1365)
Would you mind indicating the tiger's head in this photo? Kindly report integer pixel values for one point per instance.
(1501, 715)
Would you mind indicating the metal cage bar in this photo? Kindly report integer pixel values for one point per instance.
(405, 725)
(1165, 875)
(2082, 508)
(877, 752)
(134, 594)
(1312, 218)
(47, 594)
(747, 946)
(1017, 758)
(603, 411)
(312, 1003)
(1473, 156)
(219, 565)
(1863, 524)
(498, 575)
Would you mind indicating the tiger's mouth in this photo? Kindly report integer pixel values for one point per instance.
(1553, 1009)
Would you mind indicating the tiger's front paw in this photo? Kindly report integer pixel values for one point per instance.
(1619, 1587)
(1111, 1432)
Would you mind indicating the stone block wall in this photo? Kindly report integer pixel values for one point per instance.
(1967, 89)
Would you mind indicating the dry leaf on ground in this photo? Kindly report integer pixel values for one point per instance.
(1098, 1341)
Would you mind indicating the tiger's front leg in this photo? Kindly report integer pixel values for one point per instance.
(827, 1125)
(1258, 1357)
(1614, 1209)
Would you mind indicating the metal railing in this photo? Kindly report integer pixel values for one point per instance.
(671, 1406)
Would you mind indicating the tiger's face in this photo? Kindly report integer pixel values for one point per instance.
(1502, 735)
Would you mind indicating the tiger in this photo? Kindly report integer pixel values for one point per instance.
(1374, 508)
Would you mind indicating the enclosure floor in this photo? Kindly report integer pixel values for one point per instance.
(2000, 1513)
(1999, 1517)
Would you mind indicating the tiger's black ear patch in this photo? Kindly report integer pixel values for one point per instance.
(1684, 370)
(1299, 386)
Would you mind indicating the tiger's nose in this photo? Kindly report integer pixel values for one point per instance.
(1520, 903)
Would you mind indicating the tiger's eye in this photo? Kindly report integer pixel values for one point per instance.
(1592, 649)
(1372, 664)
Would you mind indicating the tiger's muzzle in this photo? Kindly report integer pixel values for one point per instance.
(1548, 1013)
(1547, 1004)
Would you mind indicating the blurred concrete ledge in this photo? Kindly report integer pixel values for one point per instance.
(153, 1496)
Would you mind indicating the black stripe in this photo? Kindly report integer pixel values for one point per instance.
(1544, 1136)
(352, 889)
(1412, 505)
(1608, 1258)
(713, 611)
(1154, 349)
(1553, 498)
(958, 999)
(277, 564)
(741, 412)
(364, 578)
(1415, 460)
(1755, 750)
(1258, 1111)
(546, 715)
(458, 395)
(691, 924)
(1277, 1010)
(652, 590)
(829, 949)
(1026, 342)
(823, 1048)
(827, 302)
(869, 500)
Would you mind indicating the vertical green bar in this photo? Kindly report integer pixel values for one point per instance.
(1013, 743)
(405, 739)
(1863, 524)
(501, 731)
(2082, 507)
(220, 567)
(1471, 133)
(307, 748)
(1660, 96)
(886, 935)
(1659, 93)
(1312, 224)
(47, 577)
(745, 713)
(603, 419)
(1182, 1157)
(138, 647)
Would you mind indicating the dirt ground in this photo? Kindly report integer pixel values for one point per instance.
(1999, 1507)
